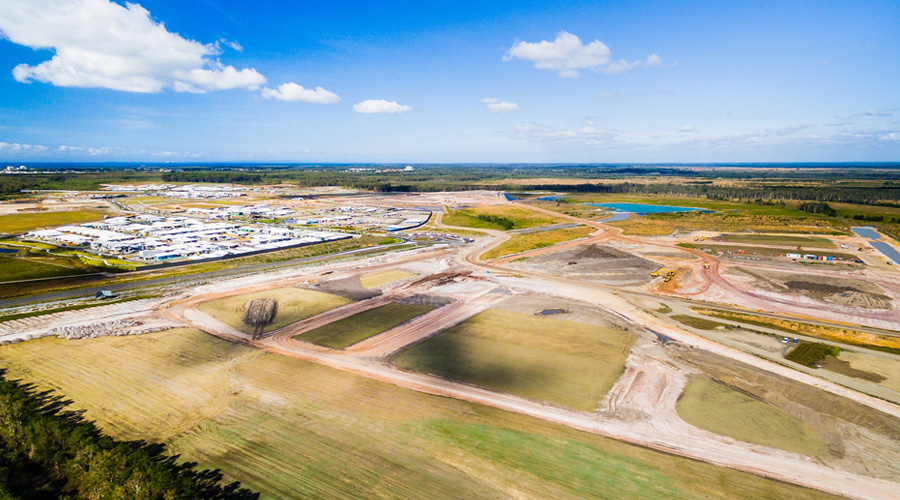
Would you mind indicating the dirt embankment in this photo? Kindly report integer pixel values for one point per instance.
(860, 439)
(597, 263)
(829, 289)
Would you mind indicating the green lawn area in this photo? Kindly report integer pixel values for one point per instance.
(514, 217)
(294, 304)
(562, 362)
(33, 267)
(294, 429)
(775, 239)
(726, 411)
(531, 241)
(348, 331)
(24, 222)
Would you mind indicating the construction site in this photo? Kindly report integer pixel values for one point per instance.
(662, 342)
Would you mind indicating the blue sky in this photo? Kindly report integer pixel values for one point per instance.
(444, 82)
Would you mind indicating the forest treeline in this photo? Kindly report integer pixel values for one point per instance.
(48, 451)
(881, 186)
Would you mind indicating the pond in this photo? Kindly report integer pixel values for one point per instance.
(866, 232)
(641, 208)
(888, 251)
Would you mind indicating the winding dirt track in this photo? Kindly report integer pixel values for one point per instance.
(664, 434)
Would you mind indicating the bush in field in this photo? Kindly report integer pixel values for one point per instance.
(503, 222)
(808, 353)
(259, 313)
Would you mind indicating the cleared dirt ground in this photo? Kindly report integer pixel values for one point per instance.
(595, 263)
(829, 289)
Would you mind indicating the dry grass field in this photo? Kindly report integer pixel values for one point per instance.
(531, 241)
(378, 278)
(24, 222)
(561, 362)
(887, 369)
(294, 305)
(292, 429)
(723, 410)
(348, 331)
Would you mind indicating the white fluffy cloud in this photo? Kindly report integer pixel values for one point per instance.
(98, 43)
(381, 106)
(292, 92)
(568, 56)
(498, 106)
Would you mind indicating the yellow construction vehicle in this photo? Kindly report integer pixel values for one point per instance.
(706, 265)
(670, 274)
(668, 279)
(656, 273)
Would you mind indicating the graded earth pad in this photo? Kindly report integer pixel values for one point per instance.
(348, 331)
(378, 278)
(858, 438)
(561, 362)
(597, 263)
(294, 304)
(829, 289)
(293, 429)
(349, 288)
(726, 411)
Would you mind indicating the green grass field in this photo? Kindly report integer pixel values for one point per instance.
(776, 239)
(531, 241)
(348, 331)
(294, 305)
(520, 218)
(28, 268)
(24, 222)
(723, 410)
(562, 362)
(293, 429)
(699, 323)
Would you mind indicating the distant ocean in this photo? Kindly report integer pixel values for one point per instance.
(278, 165)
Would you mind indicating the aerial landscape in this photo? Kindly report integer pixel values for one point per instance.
(399, 250)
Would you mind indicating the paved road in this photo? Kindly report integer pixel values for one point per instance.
(89, 291)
